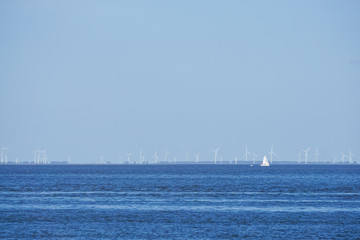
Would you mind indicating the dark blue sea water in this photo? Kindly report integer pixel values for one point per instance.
(180, 202)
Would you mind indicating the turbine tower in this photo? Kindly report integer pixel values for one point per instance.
(343, 156)
(5, 149)
(43, 157)
(236, 160)
(350, 157)
(128, 155)
(156, 157)
(271, 154)
(143, 159)
(197, 155)
(306, 154)
(215, 153)
(3, 155)
(102, 159)
(35, 156)
(39, 156)
(247, 153)
(317, 155)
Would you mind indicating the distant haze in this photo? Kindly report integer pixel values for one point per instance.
(101, 78)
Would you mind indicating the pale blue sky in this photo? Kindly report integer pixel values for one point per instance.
(92, 78)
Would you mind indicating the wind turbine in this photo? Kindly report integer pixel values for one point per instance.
(35, 154)
(45, 157)
(143, 159)
(247, 153)
(102, 159)
(215, 153)
(350, 157)
(316, 155)
(128, 155)
(299, 157)
(306, 154)
(69, 160)
(39, 156)
(236, 160)
(197, 157)
(5, 148)
(271, 154)
(156, 157)
(343, 156)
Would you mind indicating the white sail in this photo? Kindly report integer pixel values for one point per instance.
(265, 162)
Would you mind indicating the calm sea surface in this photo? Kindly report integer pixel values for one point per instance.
(180, 202)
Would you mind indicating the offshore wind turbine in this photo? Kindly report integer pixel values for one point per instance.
(316, 155)
(236, 160)
(156, 157)
(215, 153)
(247, 153)
(350, 157)
(37, 158)
(271, 154)
(44, 157)
(3, 155)
(128, 155)
(197, 155)
(102, 159)
(343, 156)
(5, 148)
(306, 154)
(143, 159)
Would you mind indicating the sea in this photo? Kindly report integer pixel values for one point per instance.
(179, 201)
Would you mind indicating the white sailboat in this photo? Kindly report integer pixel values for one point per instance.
(265, 162)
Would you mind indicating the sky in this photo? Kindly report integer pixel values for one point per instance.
(103, 78)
